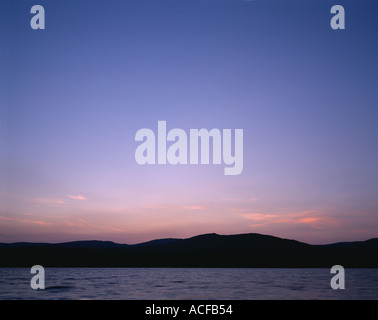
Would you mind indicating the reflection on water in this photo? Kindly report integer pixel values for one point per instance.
(187, 283)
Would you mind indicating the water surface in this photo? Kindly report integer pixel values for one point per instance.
(188, 284)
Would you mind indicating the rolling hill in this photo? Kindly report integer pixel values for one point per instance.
(207, 250)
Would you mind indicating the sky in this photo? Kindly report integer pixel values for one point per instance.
(73, 96)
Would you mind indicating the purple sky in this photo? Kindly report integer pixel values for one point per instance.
(74, 95)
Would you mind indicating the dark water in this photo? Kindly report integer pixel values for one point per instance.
(187, 283)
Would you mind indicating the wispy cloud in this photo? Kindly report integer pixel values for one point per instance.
(310, 219)
(48, 202)
(86, 226)
(76, 197)
(258, 216)
(316, 220)
(29, 221)
(174, 207)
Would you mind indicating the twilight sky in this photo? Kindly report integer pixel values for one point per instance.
(73, 96)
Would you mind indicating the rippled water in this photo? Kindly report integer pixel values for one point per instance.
(187, 283)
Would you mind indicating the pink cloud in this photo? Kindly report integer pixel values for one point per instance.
(311, 218)
(258, 216)
(48, 202)
(86, 226)
(30, 221)
(77, 197)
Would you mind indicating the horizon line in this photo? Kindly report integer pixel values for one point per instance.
(198, 235)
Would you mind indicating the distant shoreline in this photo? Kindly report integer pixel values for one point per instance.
(204, 251)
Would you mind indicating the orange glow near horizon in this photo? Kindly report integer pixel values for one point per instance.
(55, 220)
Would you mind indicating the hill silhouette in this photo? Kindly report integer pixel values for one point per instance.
(207, 250)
